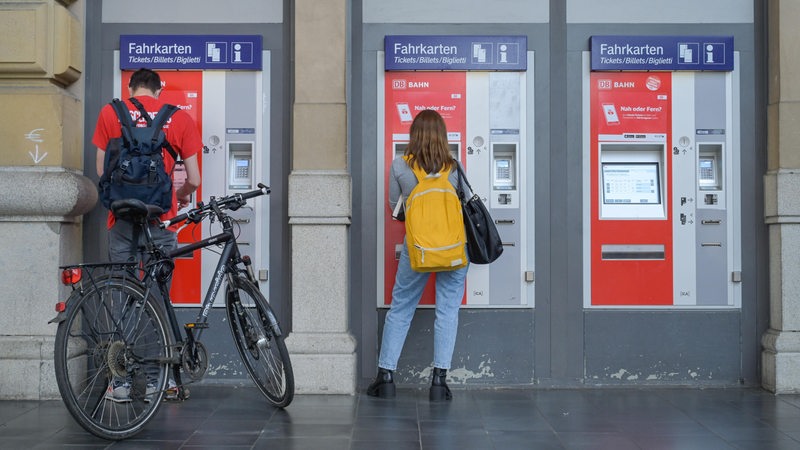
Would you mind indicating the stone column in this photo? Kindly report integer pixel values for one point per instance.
(44, 191)
(781, 355)
(322, 348)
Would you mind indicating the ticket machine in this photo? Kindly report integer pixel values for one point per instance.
(487, 122)
(662, 188)
(230, 107)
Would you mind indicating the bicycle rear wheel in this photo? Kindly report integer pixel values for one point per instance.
(260, 344)
(111, 357)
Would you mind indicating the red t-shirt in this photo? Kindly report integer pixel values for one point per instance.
(180, 130)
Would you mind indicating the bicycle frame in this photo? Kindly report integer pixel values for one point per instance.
(230, 253)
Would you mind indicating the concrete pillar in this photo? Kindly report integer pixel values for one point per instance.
(322, 348)
(44, 192)
(781, 355)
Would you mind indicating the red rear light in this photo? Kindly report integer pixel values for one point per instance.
(61, 307)
(70, 276)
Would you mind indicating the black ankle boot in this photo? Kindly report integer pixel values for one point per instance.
(383, 386)
(439, 389)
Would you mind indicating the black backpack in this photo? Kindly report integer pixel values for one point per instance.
(134, 165)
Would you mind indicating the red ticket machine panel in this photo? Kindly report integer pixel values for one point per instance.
(406, 94)
(631, 181)
(185, 90)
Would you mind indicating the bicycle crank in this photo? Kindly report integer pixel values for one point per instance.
(194, 360)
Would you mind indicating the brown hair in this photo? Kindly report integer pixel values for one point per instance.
(427, 146)
(145, 78)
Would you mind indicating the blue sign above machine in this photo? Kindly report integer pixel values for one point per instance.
(190, 52)
(506, 53)
(664, 53)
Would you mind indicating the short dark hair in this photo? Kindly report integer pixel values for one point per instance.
(145, 78)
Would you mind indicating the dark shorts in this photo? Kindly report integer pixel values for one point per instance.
(120, 237)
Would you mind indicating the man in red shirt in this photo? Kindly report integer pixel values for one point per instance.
(182, 134)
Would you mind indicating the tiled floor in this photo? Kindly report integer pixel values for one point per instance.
(228, 417)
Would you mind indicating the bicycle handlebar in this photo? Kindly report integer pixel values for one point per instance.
(233, 201)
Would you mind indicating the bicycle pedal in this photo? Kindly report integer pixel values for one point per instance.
(196, 325)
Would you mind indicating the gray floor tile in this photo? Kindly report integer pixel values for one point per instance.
(505, 419)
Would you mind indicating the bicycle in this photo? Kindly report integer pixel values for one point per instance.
(114, 328)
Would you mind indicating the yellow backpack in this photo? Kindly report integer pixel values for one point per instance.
(434, 224)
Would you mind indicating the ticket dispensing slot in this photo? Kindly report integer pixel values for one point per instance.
(631, 251)
(240, 165)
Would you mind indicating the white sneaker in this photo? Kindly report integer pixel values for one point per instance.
(150, 392)
(122, 393)
(172, 390)
(119, 394)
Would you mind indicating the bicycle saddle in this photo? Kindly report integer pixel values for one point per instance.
(133, 210)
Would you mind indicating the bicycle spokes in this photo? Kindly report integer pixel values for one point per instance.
(263, 352)
(111, 356)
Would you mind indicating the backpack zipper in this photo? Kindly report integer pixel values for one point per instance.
(435, 249)
(445, 190)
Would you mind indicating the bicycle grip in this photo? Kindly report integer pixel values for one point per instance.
(262, 190)
(177, 219)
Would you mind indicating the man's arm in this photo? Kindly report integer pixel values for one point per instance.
(101, 154)
(192, 181)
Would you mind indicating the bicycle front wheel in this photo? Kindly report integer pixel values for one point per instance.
(260, 344)
(111, 357)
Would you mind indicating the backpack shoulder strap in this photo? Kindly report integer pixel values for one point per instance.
(162, 116)
(142, 110)
(124, 116)
(123, 113)
(418, 171)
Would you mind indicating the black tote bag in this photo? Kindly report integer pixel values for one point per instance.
(483, 241)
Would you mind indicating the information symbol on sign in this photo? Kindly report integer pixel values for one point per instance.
(713, 53)
(508, 53)
(242, 52)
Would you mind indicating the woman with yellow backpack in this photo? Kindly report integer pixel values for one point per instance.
(435, 242)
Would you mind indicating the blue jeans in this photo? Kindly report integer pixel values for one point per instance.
(407, 291)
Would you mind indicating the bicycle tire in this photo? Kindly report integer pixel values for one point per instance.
(268, 364)
(111, 332)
